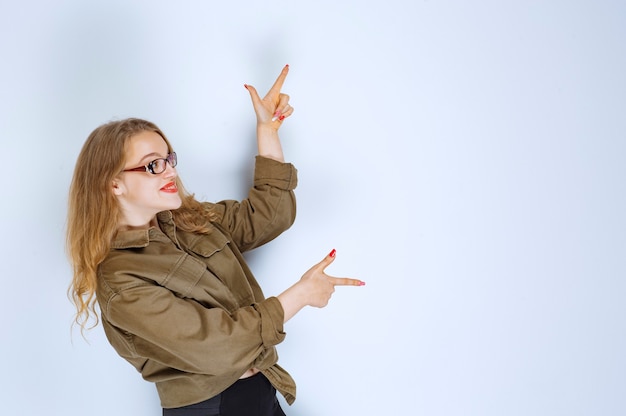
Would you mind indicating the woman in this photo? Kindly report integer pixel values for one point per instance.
(176, 297)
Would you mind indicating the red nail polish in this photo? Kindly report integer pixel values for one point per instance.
(361, 283)
(281, 118)
(332, 253)
(245, 86)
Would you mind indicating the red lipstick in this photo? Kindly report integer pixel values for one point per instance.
(170, 187)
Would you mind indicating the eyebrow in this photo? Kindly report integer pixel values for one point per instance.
(150, 155)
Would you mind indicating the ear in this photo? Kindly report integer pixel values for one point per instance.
(117, 188)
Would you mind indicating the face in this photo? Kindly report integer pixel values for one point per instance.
(142, 194)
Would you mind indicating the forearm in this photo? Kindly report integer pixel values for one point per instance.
(202, 329)
(292, 301)
(268, 143)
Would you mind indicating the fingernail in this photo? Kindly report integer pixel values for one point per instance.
(245, 86)
(361, 283)
(332, 253)
(281, 118)
(276, 115)
(287, 66)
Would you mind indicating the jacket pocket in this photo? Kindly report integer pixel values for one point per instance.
(207, 245)
(185, 275)
(225, 279)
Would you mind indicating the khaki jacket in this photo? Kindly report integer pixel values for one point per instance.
(185, 310)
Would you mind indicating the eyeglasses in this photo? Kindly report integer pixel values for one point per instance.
(157, 165)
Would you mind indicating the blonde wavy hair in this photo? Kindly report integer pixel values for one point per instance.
(93, 210)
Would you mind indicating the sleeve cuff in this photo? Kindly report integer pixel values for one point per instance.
(276, 174)
(272, 317)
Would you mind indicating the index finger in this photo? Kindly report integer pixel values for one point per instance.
(344, 281)
(278, 84)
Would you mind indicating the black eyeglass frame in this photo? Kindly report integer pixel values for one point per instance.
(171, 159)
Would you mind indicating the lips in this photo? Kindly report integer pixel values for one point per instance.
(170, 187)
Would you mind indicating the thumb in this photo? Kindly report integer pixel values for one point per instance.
(328, 259)
(254, 95)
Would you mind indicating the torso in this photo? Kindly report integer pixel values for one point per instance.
(249, 373)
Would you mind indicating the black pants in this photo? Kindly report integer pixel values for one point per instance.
(252, 396)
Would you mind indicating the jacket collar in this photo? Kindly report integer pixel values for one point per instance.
(141, 238)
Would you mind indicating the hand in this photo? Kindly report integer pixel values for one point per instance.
(313, 289)
(320, 286)
(272, 109)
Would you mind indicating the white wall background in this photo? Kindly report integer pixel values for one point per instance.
(466, 159)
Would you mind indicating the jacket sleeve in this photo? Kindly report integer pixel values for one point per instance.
(269, 209)
(182, 334)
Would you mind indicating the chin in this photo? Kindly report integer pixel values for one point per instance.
(170, 202)
(176, 204)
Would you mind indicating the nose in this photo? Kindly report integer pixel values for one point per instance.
(170, 171)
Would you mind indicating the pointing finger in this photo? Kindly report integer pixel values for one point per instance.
(278, 85)
(338, 281)
(344, 281)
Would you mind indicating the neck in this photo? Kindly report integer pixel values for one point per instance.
(127, 225)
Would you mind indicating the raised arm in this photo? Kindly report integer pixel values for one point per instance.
(315, 287)
(270, 111)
